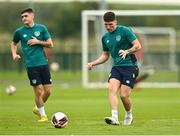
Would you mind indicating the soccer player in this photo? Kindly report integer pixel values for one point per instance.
(34, 38)
(121, 43)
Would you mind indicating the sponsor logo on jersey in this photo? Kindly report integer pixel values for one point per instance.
(37, 33)
(24, 35)
(107, 41)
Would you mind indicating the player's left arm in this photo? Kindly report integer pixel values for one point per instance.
(34, 41)
(135, 47)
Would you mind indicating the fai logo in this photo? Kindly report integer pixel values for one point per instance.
(107, 41)
(50, 80)
(34, 81)
(118, 38)
(127, 81)
(134, 75)
(37, 33)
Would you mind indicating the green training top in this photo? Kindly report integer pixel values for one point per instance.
(33, 55)
(120, 39)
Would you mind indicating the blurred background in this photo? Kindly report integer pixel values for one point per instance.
(159, 34)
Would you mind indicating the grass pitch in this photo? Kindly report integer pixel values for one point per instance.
(156, 112)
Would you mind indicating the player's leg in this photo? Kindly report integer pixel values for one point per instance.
(114, 85)
(125, 97)
(35, 81)
(129, 75)
(47, 92)
(38, 91)
(33, 76)
(47, 82)
(39, 102)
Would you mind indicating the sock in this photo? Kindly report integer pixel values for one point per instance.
(42, 111)
(129, 113)
(114, 114)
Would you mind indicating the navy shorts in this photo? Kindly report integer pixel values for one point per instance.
(125, 74)
(39, 75)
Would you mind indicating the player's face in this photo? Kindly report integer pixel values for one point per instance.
(27, 18)
(110, 26)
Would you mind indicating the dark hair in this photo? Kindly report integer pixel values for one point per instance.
(109, 16)
(29, 10)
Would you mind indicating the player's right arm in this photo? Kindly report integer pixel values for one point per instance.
(15, 56)
(103, 58)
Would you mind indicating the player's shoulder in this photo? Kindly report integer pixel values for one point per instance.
(123, 27)
(105, 36)
(19, 29)
(40, 25)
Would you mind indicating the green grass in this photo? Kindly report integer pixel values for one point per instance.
(156, 111)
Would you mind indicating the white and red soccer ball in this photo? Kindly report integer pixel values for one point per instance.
(59, 120)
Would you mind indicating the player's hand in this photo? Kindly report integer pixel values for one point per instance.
(123, 53)
(33, 41)
(16, 57)
(90, 66)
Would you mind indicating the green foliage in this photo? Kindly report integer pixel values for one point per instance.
(64, 19)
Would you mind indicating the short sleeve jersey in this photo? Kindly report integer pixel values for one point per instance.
(120, 39)
(33, 55)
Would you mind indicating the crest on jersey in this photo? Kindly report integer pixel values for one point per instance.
(118, 38)
(36, 33)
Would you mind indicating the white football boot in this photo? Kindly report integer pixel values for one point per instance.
(128, 119)
(111, 121)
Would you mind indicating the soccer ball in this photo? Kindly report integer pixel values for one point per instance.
(54, 66)
(59, 120)
(10, 90)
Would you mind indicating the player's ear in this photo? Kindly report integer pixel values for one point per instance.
(115, 22)
(32, 15)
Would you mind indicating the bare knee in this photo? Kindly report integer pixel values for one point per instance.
(124, 97)
(48, 89)
(112, 88)
(125, 92)
(38, 91)
(114, 85)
